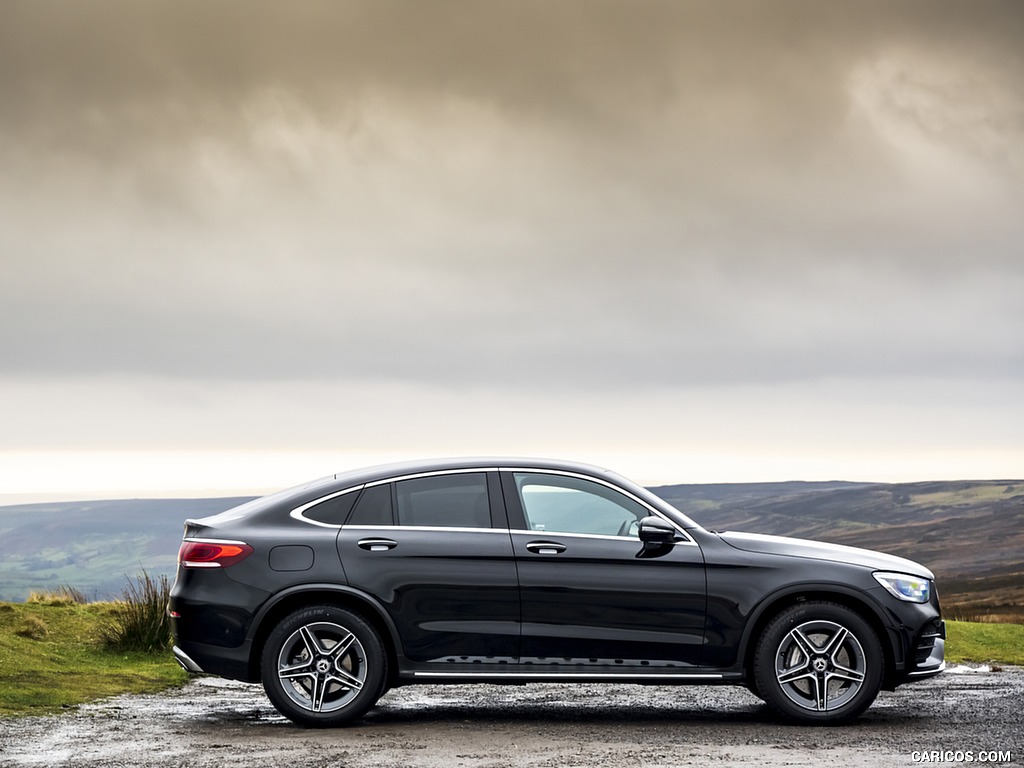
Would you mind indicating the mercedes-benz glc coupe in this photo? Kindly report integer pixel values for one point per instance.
(520, 571)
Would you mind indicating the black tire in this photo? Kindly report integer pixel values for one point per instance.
(323, 666)
(819, 663)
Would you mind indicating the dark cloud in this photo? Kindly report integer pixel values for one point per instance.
(594, 194)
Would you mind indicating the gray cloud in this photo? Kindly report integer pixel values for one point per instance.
(593, 195)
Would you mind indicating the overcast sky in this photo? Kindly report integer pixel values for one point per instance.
(245, 245)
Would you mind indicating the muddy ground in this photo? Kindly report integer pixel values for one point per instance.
(212, 722)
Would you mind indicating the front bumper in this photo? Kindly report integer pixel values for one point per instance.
(930, 652)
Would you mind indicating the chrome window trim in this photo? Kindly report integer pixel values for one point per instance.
(297, 513)
(434, 473)
(446, 528)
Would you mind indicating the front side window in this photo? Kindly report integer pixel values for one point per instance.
(449, 501)
(573, 505)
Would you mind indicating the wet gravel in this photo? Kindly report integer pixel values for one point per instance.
(212, 722)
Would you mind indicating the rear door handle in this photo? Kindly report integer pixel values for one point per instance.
(545, 547)
(377, 545)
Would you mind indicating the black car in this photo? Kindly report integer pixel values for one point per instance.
(519, 571)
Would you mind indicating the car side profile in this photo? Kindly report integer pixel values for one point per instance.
(520, 571)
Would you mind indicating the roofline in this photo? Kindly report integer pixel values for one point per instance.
(416, 466)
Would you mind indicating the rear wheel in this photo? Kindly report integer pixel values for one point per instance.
(818, 662)
(323, 666)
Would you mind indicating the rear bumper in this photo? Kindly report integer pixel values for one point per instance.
(186, 661)
(232, 663)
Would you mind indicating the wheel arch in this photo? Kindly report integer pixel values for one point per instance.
(773, 605)
(296, 598)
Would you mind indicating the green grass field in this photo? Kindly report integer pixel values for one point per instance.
(52, 656)
(969, 641)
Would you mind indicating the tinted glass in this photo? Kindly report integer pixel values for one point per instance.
(453, 501)
(333, 511)
(573, 505)
(373, 507)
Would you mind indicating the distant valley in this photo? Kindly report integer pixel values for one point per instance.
(970, 533)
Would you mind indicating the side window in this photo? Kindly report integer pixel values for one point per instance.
(373, 507)
(573, 505)
(452, 501)
(333, 511)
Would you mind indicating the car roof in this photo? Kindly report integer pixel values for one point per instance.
(420, 466)
(354, 478)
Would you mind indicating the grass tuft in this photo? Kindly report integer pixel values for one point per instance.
(139, 621)
(33, 628)
(65, 595)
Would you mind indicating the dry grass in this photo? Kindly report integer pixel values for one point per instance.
(139, 621)
(65, 595)
(32, 628)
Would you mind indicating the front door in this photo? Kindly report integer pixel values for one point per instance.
(589, 600)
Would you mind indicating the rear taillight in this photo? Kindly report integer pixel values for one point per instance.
(210, 553)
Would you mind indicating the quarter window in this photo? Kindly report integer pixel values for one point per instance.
(333, 511)
(573, 505)
(451, 501)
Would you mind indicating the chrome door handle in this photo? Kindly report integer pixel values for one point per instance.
(545, 547)
(377, 545)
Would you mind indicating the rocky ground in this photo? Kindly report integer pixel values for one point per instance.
(965, 714)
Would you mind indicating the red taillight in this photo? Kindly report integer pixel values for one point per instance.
(212, 554)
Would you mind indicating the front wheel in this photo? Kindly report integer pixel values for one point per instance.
(323, 666)
(819, 663)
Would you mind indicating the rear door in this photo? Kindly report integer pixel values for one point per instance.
(435, 551)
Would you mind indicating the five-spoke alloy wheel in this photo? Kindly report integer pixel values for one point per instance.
(818, 662)
(323, 666)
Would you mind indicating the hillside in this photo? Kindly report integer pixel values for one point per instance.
(970, 533)
(93, 545)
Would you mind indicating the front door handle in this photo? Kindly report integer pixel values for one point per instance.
(545, 547)
(377, 545)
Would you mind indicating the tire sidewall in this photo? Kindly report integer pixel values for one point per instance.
(772, 637)
(375, 660)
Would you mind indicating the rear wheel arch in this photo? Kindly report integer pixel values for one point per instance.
(284, 604)
(776, 604)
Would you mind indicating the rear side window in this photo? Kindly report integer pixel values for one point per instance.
(333, 511)
(450, 501)
(373, 507)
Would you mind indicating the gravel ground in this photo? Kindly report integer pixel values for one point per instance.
(212, 722)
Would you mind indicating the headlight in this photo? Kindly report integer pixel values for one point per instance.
(905, 587)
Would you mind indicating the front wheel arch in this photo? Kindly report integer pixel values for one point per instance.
(852, 600)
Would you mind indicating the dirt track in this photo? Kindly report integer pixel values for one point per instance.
(217, 723)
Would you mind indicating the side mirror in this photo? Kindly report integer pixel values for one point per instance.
(656, 533)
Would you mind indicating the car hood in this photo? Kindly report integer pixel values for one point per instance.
(816, 550)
